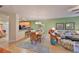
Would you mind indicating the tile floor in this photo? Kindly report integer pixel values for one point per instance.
(16, 49)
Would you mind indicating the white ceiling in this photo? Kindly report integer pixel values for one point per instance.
(38, 11)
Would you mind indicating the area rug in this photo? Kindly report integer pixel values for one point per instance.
(37, 48)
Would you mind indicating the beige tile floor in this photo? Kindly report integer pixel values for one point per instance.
(3, 42)
(12, 47)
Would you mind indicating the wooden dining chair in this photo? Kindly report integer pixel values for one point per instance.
(33, 37)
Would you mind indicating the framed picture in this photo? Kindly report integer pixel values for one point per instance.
(60, 26)
(70, 26)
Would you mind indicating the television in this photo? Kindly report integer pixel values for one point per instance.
(23, 25)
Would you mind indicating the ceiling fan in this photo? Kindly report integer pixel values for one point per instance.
(74, 10)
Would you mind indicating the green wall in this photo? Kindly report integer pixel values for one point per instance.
(52, 22)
